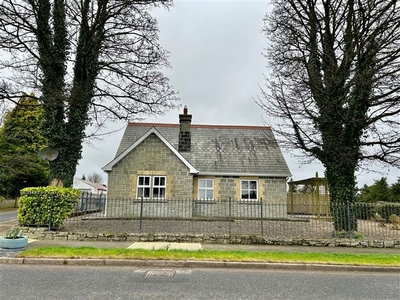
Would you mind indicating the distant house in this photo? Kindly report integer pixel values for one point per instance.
(90, 187)
(211, 163)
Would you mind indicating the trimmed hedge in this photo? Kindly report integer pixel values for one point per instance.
(36, 205)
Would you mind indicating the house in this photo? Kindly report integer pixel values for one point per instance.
(211, 163)
(89, 187)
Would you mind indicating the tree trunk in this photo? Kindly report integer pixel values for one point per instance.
(342, 191)
(71, 125)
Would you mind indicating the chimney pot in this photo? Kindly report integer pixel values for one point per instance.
(185, 110)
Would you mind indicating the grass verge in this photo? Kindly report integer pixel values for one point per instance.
(237, 256)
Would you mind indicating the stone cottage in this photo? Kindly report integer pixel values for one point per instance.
(202, 164)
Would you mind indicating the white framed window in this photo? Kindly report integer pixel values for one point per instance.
(249, 190)
(151, 187)
(143, 187)
(159, 187)
(205, 189)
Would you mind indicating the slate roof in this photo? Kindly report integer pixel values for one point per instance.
(98, 186)
(227, 150)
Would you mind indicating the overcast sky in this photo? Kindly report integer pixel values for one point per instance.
(217, 68)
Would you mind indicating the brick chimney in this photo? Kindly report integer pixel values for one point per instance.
(184, 131)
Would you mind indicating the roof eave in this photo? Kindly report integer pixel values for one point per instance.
(283, 175)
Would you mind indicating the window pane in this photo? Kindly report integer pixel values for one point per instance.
(210, 183)
(162, 181)
(140, 192)
(210, 195)
(156, 180)
(202, 183)
(253, 185)
(159, 193)
(155, 192)
(141, 179)
(147, 180)
(245, 184)
(202, 194)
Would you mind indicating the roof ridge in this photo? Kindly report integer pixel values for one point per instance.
(198, 125)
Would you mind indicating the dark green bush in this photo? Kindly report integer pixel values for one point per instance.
(36, 204)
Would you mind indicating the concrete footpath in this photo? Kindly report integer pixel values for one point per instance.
(202, 264)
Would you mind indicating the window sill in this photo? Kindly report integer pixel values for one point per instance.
(148, 200)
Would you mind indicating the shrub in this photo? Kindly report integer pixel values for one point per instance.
(37, 204)
(14, 233)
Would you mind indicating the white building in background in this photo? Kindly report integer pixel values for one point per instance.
(89, 187)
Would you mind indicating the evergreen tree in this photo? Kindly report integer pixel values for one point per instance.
(20, 142)
(379, 191)
(395, 191)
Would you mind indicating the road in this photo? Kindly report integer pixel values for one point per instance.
(8, 215)
(8, 218)
(68, 282)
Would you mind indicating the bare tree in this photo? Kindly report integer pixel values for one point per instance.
(4, 108)
(334, 84)
(95, 178)
(90, 60)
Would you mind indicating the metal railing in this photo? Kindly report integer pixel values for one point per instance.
(271, 220)
(90, 203)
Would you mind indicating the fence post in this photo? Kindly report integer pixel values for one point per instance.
(141, 213)
(262, 219)
(51, 209)
(230, 215)
(349, 225)
(81, 201)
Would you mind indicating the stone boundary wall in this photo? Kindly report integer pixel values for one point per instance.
(8, 203)
(44, 234)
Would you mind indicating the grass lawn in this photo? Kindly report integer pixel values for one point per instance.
(237, 256)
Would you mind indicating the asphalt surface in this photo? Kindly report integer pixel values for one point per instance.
(51, 282)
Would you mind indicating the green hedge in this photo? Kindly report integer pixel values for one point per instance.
(36, 203)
